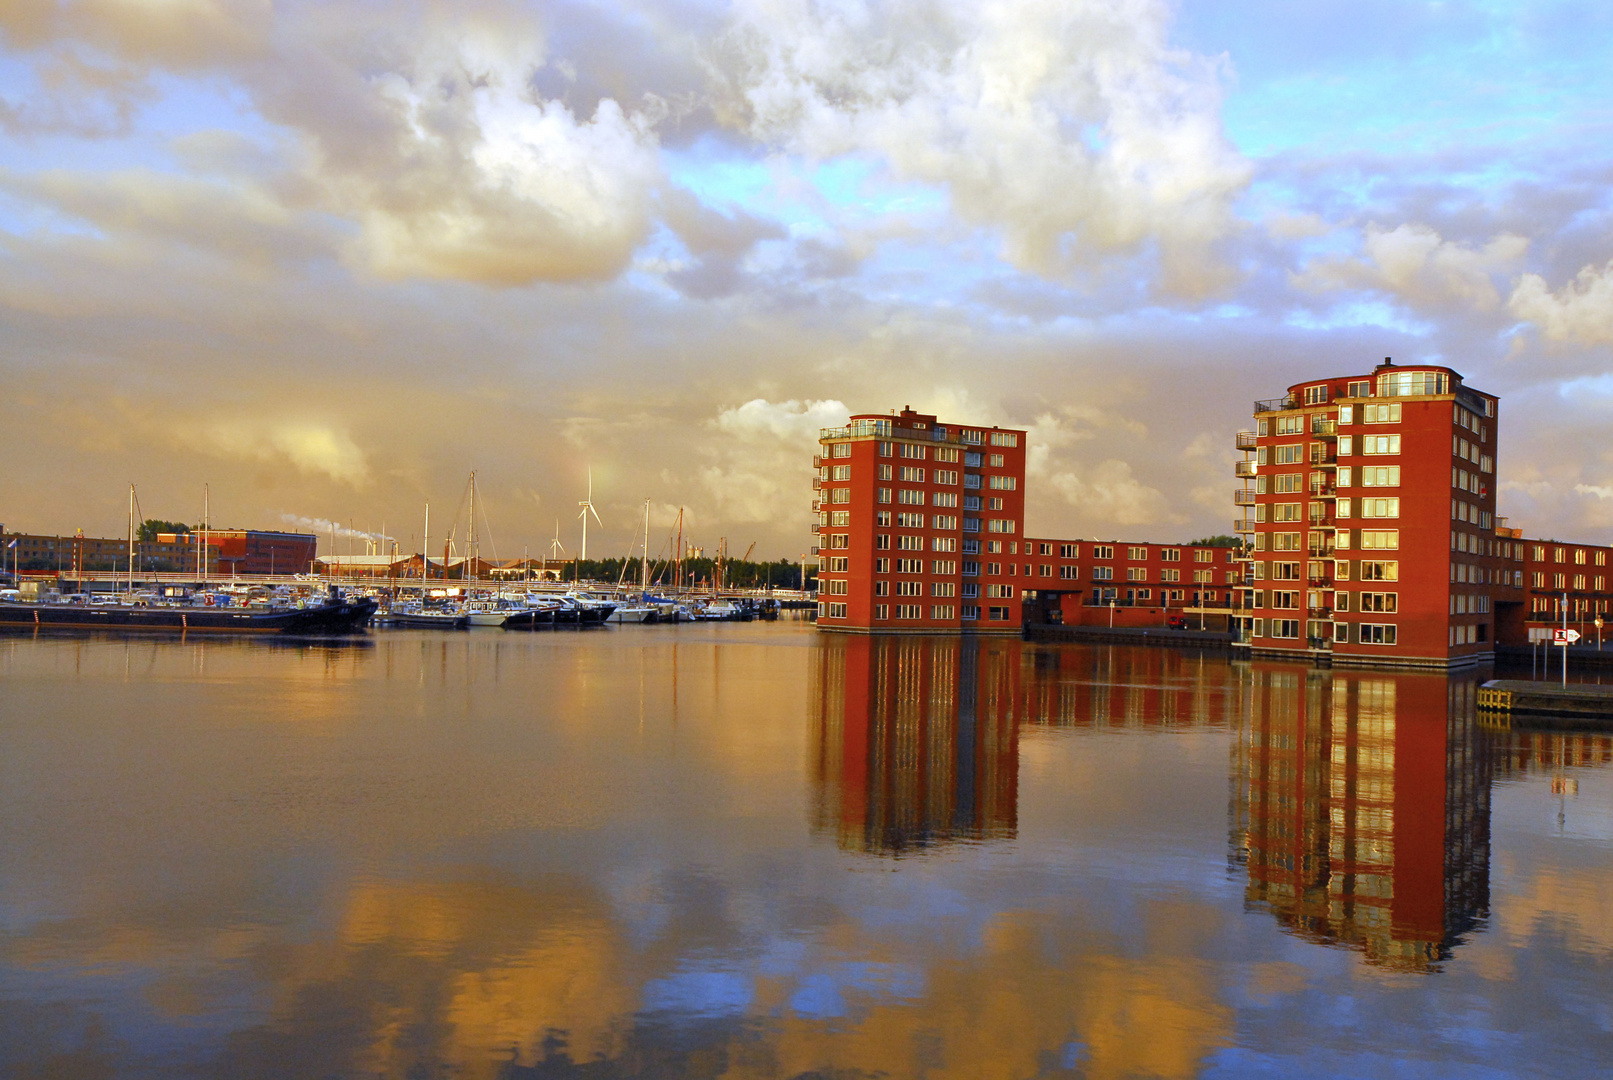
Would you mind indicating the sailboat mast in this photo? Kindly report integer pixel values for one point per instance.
(471, 549)
(425, 550)
(130, 567)
(644, 563)
(679, 574)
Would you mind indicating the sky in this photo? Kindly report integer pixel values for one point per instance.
(324, 258)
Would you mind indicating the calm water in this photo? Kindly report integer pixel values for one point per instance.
(750, 851)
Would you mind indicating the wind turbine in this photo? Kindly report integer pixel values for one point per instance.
(588, 508)
(556, 548)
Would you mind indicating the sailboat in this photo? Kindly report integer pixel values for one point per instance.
(641, 611)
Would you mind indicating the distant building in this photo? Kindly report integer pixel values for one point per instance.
(38, 553)
(249, 551)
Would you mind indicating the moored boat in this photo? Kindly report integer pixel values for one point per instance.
(332, 617)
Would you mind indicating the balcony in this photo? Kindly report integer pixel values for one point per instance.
(1243, 525)
(1246, 440)
(1319, 581)
(1276, 404)
(817, 504)
(1243, 497)
(1325, 458)
(817, 483)
(1321, 550)
(1244, 469)
(1323, 427)
(1320, 611)
(1323, 491)
(1318, 520)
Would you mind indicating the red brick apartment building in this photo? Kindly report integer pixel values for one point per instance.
(1367, 510)
(918, 523)
(1369, 504)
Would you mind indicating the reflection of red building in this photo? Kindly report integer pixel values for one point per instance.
(917, 741)
(1363, 810)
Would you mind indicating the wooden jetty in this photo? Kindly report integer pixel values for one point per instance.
(1580, 703)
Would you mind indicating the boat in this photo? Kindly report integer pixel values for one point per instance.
(486, 612)
(335, 616)
(414, 617)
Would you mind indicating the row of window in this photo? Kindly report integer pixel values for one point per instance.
(1289, 629)
(1560, 555)
(1560, 582)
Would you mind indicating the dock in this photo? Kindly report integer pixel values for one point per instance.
(1129, 635)
(1578, 704)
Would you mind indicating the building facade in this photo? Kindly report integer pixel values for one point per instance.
(919, 525)
(1368, 504)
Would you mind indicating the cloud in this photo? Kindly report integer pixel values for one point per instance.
(1414, 263)
(1072, 128)
(309, 446)
(1581, 312)
(325, 528)
(1109, 492)
(761, 470)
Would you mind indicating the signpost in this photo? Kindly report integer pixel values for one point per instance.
(1564, 637)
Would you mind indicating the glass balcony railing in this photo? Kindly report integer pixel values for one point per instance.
(1288, 401)
(1243, 525)
(1325, 428)
(1246, 440)
(1245, 469)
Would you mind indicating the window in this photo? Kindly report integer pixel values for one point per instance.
(840, 495)
(943, 588)
(944, 521)
(942, 611)
(947, 453)
(1069, 551)
(1001, 525)
(996, 461)
(882, 518)
(1004, 483)
(1288, 483)
(1346, 414)
(1204, 555)
(910, 497)
(836, 611)
(1413, 383)
(945, 567)
(1316, 395)
(834, 588)
(944, 543)
(1380, 601)
(1380, 476)
(1290, 425)
(1285, 541)
(1359, 389)
(1557, 554)
(1285, 512)
(1285, 628)
(1137, 554)
(912, 475)
(1346, 445)
(1377, 633)
(1103, 573)
(1203, 577)
(1380, 571)
(1579, 556)
(910, 543)
(908, 611)
(1136, 573)
(840, 517)
(883, 588)
(1379, 539)
(1004, 438)
(842, 450)
(1070, 573)
(909, 450)
(1102, 551)
(1284, 599)
(840, 472)
(910, 521)
(839, 565)
(1169, 574)
(1290, 454)
(946, 478)
(1380, 508)
(1381, 414)
(1380, 444)
(839, 540)
(882, 542)
(997, 614)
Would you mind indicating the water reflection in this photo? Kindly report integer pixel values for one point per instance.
(663, 854)
(917, 742)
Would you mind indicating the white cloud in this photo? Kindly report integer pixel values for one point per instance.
(1580, 312)
(309, 446)
(1109, 492)
(1069, 125)
(1414, 263)
(761, 470)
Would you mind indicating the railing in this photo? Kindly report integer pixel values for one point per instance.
(1320, 643)
(1320, 611)
(1317, 520)
(1288, 401)
(817, 483)
(1322, 550)
(1319, 581)
(1243, 497)
(1325, 427)
(857, 429)
(1246, 440)
(1243, 525)
(1245, 469)
(1323, 491)
(1324, 456)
